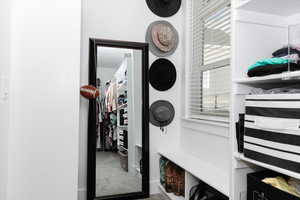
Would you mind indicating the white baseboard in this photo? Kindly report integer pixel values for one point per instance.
(153, 190)
(81, 193)
(154, 187)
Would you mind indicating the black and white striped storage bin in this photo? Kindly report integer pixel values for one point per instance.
(272, 130)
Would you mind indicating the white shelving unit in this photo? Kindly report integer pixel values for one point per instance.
(273, 7)
(264, 165)
(208, 173)
(121, 88)
(259, 28)
(275, 78)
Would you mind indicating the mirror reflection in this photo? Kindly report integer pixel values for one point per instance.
(119, 125)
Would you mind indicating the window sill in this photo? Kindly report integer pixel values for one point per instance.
(216, 128)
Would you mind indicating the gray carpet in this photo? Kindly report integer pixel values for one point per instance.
(157, 197)
(111, 179)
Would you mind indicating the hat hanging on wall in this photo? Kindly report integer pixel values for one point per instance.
(162, 74)
(164, 8)
(162, 38)
(161, 113)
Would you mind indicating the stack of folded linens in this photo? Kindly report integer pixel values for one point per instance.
(284, 59)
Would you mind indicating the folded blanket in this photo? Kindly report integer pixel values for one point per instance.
(272, 69)
(269, 61)
(281, 184)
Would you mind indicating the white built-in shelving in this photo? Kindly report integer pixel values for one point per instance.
(275, 78)
(273, 7)
(208, 173)
(259, 28)
(267, 166)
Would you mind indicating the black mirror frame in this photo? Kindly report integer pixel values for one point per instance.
(91, 157)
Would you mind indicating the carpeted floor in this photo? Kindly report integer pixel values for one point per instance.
(111, 179)
(157, 197)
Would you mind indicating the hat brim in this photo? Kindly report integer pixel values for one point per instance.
(153, 48)
(164, 10)
(158, 104)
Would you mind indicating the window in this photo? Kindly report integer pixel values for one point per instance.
(209, 81)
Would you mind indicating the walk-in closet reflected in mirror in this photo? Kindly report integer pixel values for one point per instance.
(120, 131)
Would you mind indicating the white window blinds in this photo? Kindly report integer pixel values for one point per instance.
(209, 82)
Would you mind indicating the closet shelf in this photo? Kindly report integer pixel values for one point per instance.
(138, 145)
(122, 106)
(210, 174)
(123, 127)
(278, 7)
(170, 195)
(274, 78)
(122, 86)
(240, 156)
(123, 148)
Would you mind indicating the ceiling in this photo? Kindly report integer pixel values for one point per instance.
(109, 57)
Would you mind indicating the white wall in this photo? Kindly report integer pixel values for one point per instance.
(128, 20)
(208, 141)
(5, 26)
(45, 81)
(106, 73)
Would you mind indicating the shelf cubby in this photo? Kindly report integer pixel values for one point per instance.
(286, 77)
(267, 166)
(204, 171)
(170, 195)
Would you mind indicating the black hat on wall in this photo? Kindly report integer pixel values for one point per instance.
(161, 113)
(162, 74)
(164, 8)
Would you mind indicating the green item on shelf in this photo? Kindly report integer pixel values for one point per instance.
(162, 165)
(269, 61)
(113, 118)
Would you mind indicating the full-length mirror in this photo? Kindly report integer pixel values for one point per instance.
(118, 121)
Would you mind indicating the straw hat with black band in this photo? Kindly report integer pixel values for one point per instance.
(162, 38)
(164, 8)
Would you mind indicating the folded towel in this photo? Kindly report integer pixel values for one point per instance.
(272, 69)
(269, 61)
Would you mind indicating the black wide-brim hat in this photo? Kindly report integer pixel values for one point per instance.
(161, 113)
(162, 74)
(164, 8)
